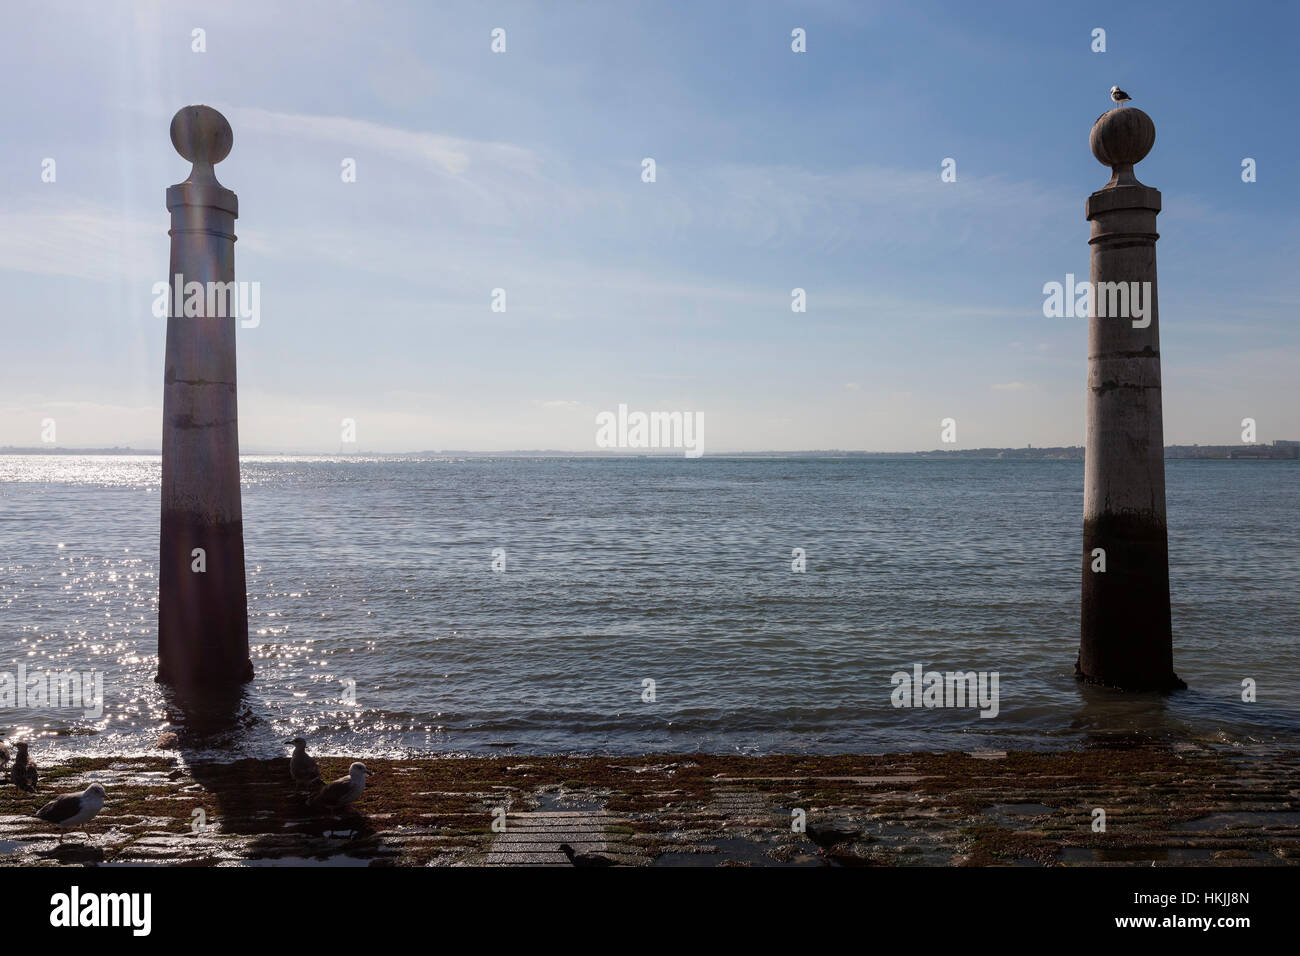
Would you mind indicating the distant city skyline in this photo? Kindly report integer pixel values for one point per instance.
(522, 171)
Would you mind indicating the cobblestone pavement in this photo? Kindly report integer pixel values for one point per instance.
(1182, 806)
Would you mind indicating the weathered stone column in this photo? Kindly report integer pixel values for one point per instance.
(202, 603)
(1126, 638)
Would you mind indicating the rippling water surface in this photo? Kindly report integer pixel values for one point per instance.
(379, 572)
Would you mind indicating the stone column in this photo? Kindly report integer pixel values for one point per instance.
(202, 603)
(1126, 639)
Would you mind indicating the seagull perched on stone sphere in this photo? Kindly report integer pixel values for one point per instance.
(1119, 96)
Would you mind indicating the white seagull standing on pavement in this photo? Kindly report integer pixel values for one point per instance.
(302, 767)
(1119, 96)
(344, 791)
(73, 809)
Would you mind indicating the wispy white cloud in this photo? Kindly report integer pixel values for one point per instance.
(82, 240)
(448, 154)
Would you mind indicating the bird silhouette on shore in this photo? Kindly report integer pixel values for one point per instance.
(833, 845)
(302, 768)
(584, 859)
(23, 773)
(1119, 96)
(345, 791)
(74, 809)
(828, 838)
(4, 755)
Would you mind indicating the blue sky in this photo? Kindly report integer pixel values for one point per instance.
(521, 171)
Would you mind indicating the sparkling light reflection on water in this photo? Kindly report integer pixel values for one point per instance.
(379, 572)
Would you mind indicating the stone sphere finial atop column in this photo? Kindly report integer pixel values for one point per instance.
(201, 135)
(1121, 138)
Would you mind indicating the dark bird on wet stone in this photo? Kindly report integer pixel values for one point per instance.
(584, 859)
(74, 809)
(4, 755)
(302, 768)
(828, 838)
(848, 858)
(23, 773)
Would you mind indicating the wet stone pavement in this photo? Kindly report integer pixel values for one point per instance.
(1182, 806)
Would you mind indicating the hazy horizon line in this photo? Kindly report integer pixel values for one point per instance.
(603, 453)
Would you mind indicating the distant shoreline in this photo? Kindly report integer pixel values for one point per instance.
(1278, 451)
